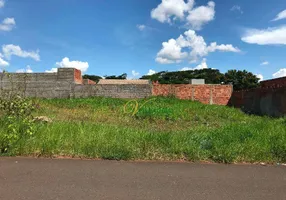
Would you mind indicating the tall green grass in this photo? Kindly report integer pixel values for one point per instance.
(163, 129)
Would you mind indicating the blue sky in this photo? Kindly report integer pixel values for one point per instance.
(107, 37)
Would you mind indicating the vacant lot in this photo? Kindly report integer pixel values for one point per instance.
(162, 129)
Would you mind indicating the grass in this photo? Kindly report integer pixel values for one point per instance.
(163, 129)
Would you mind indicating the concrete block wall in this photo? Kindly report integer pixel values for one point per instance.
(274, 83)
(269, 99)
(26, 77)
(57, 89)
(42, 85)
(207, 94)
(69, 75)
(261, 101)
(88, 82)
(64, 74)
(115, 91)
(68, 83)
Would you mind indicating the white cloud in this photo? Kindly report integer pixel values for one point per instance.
(10, 49)
(223, 47)
(237, 8)
(20, 71)
(151, 72)
(186, 69)
(66, 63)
(7, 24)
(196, 43)
(281, 15)
(264, 63)
(260, 76)
(3, 63)
(203, 65)
(280, 73)
(170, 10)
(164, 60)
(201, 16)
(171, 51)
(141, 27)
(27, 70)
(270, 36)
(134, 73)
(53, 70)
(10, 21)
(2, 3)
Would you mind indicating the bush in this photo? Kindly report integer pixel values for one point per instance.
(17, 120)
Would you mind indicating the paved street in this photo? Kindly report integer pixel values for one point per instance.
(36, 179)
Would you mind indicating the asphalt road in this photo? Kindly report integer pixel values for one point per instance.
(36, 179)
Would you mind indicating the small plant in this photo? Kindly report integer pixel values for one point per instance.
(17, 119)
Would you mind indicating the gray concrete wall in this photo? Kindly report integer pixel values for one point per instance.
(25, 77)
(42, 85)
(63, 74)
(56, 89)
(115, 91)
(65, 84)
(64, 89)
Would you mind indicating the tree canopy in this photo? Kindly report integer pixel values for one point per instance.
(94, 78)
(239, 79)
(122, 76)
(211, 76)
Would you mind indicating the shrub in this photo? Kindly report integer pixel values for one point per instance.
(17, 119)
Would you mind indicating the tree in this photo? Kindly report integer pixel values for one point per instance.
(122, 76)
(211, 76)
(94, 78)
(241, 79)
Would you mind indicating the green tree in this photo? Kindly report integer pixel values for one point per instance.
(122, 76)
(211, 76)
(94, 78)
(241, 80)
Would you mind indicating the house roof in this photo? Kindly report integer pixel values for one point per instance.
(123, 82)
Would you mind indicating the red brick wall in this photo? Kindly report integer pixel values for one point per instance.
(274, 83)
(88, 82)
(221, 94)
(77, 76)
(207, 94)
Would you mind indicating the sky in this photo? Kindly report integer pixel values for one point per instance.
(139, 37)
